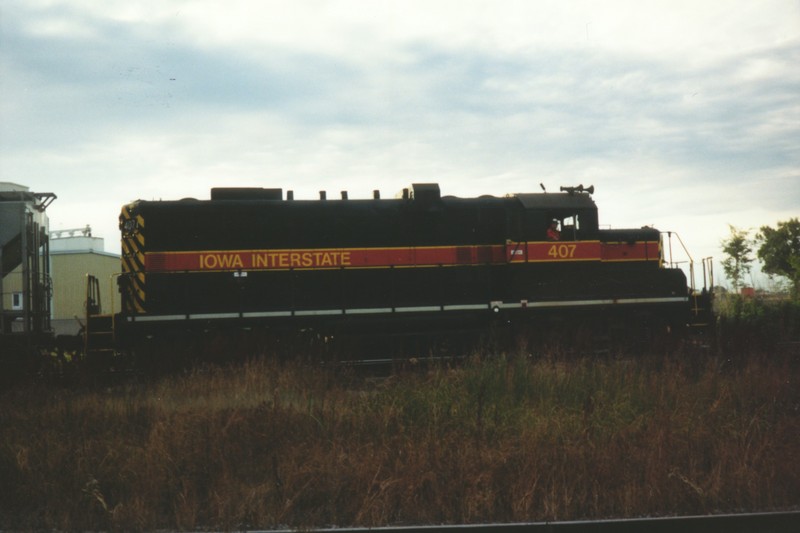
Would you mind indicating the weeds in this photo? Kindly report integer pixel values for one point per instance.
(748, 326)
(506, 438)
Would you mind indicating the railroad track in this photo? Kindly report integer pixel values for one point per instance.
(779, 522)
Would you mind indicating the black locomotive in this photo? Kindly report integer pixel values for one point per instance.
(249, 256)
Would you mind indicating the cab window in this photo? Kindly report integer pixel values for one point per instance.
(569, 228)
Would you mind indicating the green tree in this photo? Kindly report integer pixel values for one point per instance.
(779, 251)
(737, 248)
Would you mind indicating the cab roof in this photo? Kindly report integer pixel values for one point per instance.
(556, 200)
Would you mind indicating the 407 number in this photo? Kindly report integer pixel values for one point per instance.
(562, 251)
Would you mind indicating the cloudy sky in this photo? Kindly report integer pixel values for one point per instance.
(683, 114)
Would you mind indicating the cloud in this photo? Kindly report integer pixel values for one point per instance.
(678, 112)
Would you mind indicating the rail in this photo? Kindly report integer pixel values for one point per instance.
(779, 522)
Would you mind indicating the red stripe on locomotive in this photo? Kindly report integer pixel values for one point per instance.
(228, 260)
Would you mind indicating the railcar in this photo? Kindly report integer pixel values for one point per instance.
(25, 284)
(252, 256)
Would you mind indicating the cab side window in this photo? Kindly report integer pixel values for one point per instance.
(570, 227)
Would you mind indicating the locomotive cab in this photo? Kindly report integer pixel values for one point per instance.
(576, 215)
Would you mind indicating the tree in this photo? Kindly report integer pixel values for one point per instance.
(737, 248)
(779, 251)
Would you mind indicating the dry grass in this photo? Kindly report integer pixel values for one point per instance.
(501, 439)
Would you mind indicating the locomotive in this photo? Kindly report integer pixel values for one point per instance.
(254, 257)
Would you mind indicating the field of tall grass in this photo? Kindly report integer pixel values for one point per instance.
(515, 437)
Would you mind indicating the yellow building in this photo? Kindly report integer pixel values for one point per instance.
(73, 255)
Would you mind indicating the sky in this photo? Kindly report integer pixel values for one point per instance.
(684, 115)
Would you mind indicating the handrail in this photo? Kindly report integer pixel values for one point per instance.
(708, 272)
(706, 262)
(673, 263)
(92, 305)
(113, 311)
